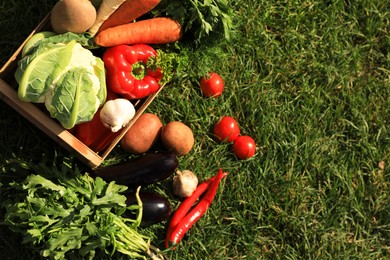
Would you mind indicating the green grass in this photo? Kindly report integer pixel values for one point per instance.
(309, 80)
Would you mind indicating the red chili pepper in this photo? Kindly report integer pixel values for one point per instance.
(185, 206)
(93, 133)
(128, 70)
(181, 221)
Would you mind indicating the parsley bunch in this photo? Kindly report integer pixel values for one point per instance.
(62, 211)
(198, 18)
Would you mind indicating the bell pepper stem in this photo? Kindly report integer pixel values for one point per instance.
(138, 70)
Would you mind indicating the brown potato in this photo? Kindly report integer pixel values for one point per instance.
(143, 134)
(75, 16)
(177, 137)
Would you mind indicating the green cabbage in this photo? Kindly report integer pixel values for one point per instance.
(66, 76)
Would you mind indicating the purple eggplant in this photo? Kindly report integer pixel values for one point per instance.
(145, 170)
(155, 207)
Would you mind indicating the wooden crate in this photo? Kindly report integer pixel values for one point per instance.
(8, 93)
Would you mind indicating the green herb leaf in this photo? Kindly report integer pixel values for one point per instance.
(61, 211)
(199, 18)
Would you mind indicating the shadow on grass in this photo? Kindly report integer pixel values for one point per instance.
(20, 142)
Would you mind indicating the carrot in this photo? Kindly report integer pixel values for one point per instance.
(128, 12)
(158, 30)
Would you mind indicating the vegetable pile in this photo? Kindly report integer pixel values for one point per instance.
(88, 59)
(89, 72)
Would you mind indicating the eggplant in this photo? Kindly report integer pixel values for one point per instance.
(155, 207)
(145, 170)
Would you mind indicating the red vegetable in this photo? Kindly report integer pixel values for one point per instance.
(185, 217)
(185, 206)
(226, 129)
(244, 147)
(93, 133)
(128, 70)
(212, 85)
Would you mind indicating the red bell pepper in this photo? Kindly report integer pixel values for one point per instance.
(93, 133)
(128, 70)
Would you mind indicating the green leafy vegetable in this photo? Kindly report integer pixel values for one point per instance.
(71, 101)
(198, 18)
(61, 211)
(42, 66)
(60, 72)
(85, 39)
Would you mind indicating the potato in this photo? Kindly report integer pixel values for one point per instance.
(177, 137)
(143, 134)
(75, 16)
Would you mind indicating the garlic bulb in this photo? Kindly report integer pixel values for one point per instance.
(117, 113)
(184, 183)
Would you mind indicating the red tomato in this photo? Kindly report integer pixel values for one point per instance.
(212, 85)
(244, 147)
(226, 129)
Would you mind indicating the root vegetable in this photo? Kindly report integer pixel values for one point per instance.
(159, 30)
(143, 134)
(184, 183)
(75, 16)
(105, 10)
(177, 138)
(128, 12)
